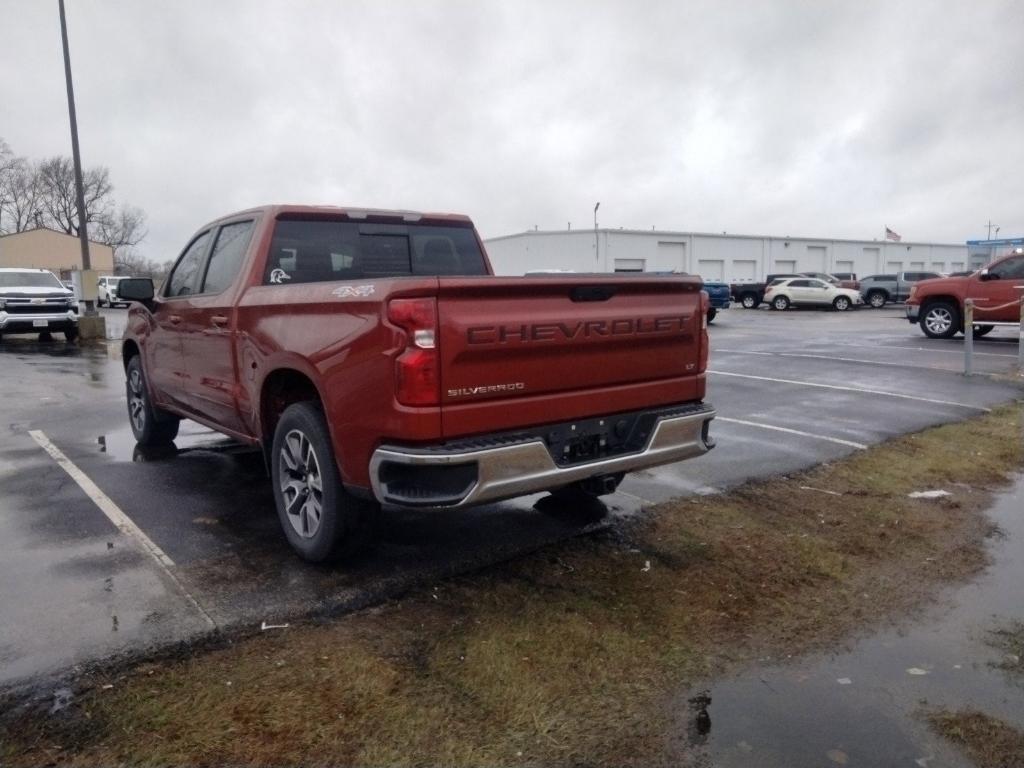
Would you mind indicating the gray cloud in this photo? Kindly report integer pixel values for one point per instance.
(822, 118)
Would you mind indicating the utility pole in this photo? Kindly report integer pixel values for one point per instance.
(596, 247)
(83, 233)
(990, 225)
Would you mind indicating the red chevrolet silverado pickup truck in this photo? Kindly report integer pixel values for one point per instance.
(938, 304)
(376, 360)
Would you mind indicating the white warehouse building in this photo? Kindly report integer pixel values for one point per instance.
(733, 258)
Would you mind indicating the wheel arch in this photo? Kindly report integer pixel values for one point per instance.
(927, 301)
(129, 349)
(280, 388)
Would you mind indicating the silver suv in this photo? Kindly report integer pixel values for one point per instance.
(35, 301)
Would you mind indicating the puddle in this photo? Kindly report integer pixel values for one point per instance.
(859, 707)
(120, 445)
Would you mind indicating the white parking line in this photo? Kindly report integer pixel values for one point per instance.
(787, 430)
(113, 512)
(853, 389)
(833, 357)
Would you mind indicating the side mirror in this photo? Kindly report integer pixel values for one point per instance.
(136, 289)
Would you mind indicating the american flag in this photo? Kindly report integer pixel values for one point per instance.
(890, 235)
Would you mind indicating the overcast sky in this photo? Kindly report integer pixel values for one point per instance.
(830, 119)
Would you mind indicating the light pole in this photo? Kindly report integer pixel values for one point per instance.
(596, 247)
(83, 234)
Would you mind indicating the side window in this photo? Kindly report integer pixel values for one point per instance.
(226, 257)
(801, 283)
(184, 278)
(1009, 268)
(817, 284)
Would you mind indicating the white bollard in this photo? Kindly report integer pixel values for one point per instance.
(968, 336)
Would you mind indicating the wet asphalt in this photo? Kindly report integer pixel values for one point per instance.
(863, 704)
(792, 390)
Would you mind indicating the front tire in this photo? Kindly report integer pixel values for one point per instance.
(780, 303)
(321, 520)
(712, 313)
(841, 303)
(70, 334)
(982, 330)
(150, 425)
(940, 320)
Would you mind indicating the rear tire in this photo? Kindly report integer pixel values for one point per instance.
(320, 519)
(749, 301)
(780, 303)
(841, 303)
(712, 313)
(150, 425)
(940, 320)
(876, 299)
(982, 330)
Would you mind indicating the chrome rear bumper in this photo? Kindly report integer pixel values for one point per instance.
(506, 471)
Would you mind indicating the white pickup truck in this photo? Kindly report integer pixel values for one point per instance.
(35, 301)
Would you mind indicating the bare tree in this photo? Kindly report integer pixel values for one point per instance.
(42, 194)
(57, 178)
(21, 196)
(122, 229)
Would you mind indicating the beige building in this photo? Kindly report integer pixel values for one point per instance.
(49, 249)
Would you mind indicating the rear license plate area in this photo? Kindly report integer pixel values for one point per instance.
(594, 439)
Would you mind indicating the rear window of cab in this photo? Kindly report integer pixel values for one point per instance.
(318, 251)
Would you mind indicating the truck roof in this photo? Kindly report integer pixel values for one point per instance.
(351, 212)
(34, 270)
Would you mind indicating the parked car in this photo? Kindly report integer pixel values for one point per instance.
(938, 305)
(751, 295)
(834, 279)
(106, 291)
(808, 291)
(846, 276)
(375, 359)
(878, 290)
(719, 295)
(35, 301)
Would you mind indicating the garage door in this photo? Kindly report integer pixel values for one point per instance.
(744, 269)
(671, 257)
(711, 269)
(816, 258)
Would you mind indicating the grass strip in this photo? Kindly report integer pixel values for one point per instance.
(986, 740)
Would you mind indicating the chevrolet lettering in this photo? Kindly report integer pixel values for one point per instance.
(588, 329)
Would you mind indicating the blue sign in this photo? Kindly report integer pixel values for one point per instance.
(1006, 241)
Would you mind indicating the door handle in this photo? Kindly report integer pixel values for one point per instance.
(219, 320)
(174, 319)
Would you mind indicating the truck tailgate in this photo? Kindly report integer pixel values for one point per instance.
(518, 352)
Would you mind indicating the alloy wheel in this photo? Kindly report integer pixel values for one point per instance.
(137, 400)
(939, 320)
(301, 484)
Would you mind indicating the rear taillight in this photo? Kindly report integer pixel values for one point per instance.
(705, 305)
(417, 372)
